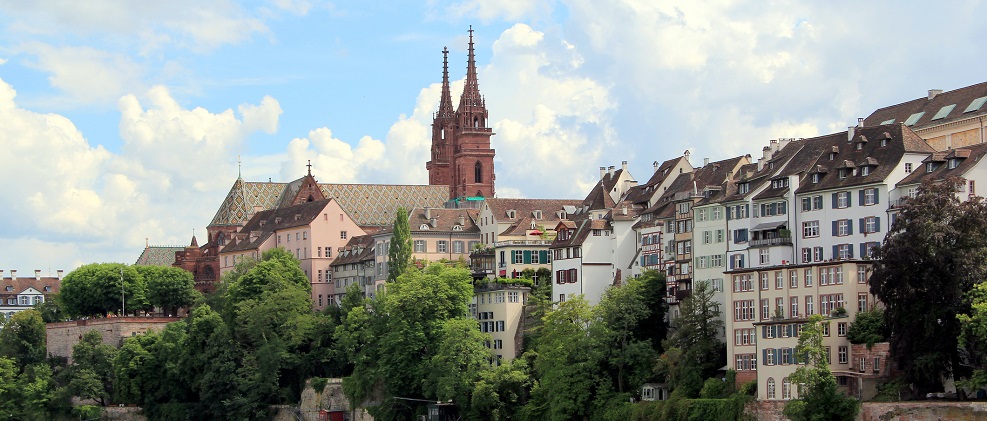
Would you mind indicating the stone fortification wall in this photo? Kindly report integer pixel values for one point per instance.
(63, 336)
(887, 411)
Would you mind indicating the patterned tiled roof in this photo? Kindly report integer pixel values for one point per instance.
(158, 256)
(367, 204)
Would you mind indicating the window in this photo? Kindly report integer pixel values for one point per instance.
(842, 228)
(870, 224)
(869, 197)
(342, 235)
(862, 302)
(765, 309)
(716, 261)
(442, 246)
(743, 188)
(844, 252)
(793, 279)
(810, 229)
(764, 256)
(786, 389)
(842, 354)
(518, 256)
(808, 305)
(806, 255)
(457, 247)
(779, 280)
(780, 306)
(420, 246)
(513, 297)
(743, 310)
(877, 364)
(861, 274)
(908, 167)
(771, 388)
(841, 329)
(764, 281)
(808, 277)
(842, 200)
(794, 306)
(817, 254)
(740, 236)
(561, 298)
(685, 207)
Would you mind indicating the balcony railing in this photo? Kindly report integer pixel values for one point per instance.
(771, 242)
(524, 243)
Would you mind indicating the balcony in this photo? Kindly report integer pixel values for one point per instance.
(777, 241)
(523, 243)
(682, 294)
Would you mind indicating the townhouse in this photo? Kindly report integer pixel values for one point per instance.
(23, 293)
(499, 307)
(648, 229)
(354, 265)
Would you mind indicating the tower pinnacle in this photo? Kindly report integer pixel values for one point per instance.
(445, 103)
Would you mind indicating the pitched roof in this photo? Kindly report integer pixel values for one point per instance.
(583, 228)
(446, 220)
(900, 140)
(367, 204)
(358, 249)
(968, 158)
(527, 207)
(599, 197)
(264, 223)
(21, 284)
(158, 255)
(961, 100)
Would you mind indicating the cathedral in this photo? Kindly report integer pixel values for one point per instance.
(461, 155)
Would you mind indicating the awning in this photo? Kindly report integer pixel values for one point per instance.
(536, 232)
(769, 226)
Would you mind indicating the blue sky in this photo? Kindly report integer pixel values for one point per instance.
(123, 121)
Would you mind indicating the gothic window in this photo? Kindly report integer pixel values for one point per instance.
(478, 172)
(476, 122)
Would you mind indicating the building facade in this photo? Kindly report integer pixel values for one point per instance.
(23, 293)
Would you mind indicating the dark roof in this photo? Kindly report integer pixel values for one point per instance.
(264, 223)
(445, 219)
(599, 197)
(968, 158)
(357, 249)
(583, 228)
(644, 192)
(900, 140)
(961, 98)
(526, 208)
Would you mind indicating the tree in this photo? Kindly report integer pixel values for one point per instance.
(23, 338)
(653, 326)
(169, 287)
(696, 334)
(91, 372)
(277, 269)
(399, 253)
(51, 311)
(458, 362)
(622, 310)
(499, 393)
(9, 392)
(974, 337)
(98, 289)
(932, 256)
(818, 398)
(568, 363)
(868, 328)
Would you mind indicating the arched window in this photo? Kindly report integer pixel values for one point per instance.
(222, 239)
(771, 387)
(478, 172)
(476, 122)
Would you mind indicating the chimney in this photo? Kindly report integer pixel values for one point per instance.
(623, 166)
(1, 273)
(623, 210)
(705, 161)
(933, 93)
(686, 155)
(428, 213)
(462, 220)
(610, 170)
(850, 131)
(13, 275)
(37, 274)
(860, 122)
(656, 166)
(603, 172)
(434, 222)
(59, 273)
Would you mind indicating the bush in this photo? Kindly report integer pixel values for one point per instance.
(714, 389)
(868, 328)
(87, 412)
(319, 384)
(748, 389)
(647, 411)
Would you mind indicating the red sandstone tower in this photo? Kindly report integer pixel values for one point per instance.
(461, 153)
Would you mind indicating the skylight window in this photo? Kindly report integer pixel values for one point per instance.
(913, 118)
(944, 111)
(976, 104)
(887, 122)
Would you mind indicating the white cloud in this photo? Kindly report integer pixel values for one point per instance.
(85, 74)
(106, 204)
(509, 10)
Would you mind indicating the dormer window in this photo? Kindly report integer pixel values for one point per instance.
(10, 288)
(816, 178)
(832, 156)
(779, 183)
(843, 173)
(262, 222)
(864, 171)
(563, 215)
(423, 227)
(47, 288)
(743, 188)
(929, 167)
(457, 227)
(771, 165)
(884, 142)
(512, 214)
(277, 220)
(537, 214)
(860, 146)
(952, 163)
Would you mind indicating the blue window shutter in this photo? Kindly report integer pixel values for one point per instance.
(849, 199)
(849, 226)
(877, 194)
(834, 228)
(764, 334)
(861, 195)
(742, 261)
(834, 201)
(861, 223)
(784, 208)
(877, 224)
(731, 263)
(851, 250)
(836, 252)
(863, 249)
(764, 352)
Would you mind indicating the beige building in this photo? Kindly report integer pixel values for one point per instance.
(518, 233)
(500, 310)
(769, 305)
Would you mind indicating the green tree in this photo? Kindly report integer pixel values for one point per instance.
(9, 392)
(169, 288)
(568, 363)
(974, 337)
(932, 256)
(868, 328)
(211, 369)
(98, 289)
(23, 338)
(622, 311)
(696, 334)
(51, 311)
(499, 393)
(91, 372)
(653, 326)
(458, 362)
(399, 253)
(277, 269)
(818, 398)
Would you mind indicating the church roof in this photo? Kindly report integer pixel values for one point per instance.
(158, 255)
(367, 204)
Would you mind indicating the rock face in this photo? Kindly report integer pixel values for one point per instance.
(330, 398)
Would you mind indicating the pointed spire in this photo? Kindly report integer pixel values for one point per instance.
(194, 242)
(445, 103)
(239, 167)
(471, 92)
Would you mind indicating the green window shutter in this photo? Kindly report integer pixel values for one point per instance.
(543, 256)
(527, 256)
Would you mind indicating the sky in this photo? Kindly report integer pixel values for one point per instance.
(126, 123)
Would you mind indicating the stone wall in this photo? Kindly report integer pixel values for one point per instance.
(122, 413)
(887, 411)
(330, 398)
(63, 336)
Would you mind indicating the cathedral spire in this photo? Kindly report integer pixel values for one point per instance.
(445, 103)
(471, 92)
